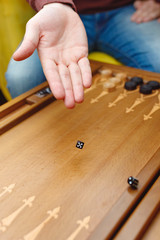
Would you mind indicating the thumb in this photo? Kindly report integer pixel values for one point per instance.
(29, 43)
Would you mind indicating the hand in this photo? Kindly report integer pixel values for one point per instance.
(60, 38)
(146, 11)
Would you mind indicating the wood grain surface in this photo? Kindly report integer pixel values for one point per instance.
(153, 232)
(139, 221)
(50, 189)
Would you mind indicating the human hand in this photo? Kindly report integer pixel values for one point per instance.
(146, 11)
(60, 38)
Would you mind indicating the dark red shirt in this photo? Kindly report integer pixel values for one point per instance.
(84, 6)
(95, 6)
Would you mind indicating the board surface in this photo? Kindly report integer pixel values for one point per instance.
(50, 189)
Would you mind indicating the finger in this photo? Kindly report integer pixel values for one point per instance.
(138, 4)
(67, 85)
(134, 16)
(141, 17)
(29, 43)
(138, 16)
(85, 72)
(153, 15)
(148, 16)
(77, 83)
(52, 75)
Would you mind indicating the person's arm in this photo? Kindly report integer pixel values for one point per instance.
(146, 11)
(60, 38)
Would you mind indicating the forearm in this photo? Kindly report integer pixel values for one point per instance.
(37, 5)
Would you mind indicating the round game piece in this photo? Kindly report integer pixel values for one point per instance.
(109, 86)
(137, 80)
(103, 78)
(106, 72)
(145, 89)
(154, 84)
(115, 80)
(122, 76)
(130, 85)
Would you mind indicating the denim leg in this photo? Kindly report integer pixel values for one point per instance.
(135, 45)
(23, 75)
(89, 22)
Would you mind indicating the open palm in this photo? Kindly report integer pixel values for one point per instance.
(59, 35)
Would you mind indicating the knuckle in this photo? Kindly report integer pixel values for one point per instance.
(68, 88)
(76, 71)
(65, 75)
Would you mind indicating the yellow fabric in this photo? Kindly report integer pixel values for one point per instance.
(102, 57)
(13, 17)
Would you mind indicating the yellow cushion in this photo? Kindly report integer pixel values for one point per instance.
(103, 57)
(4, 89)
(13, 17)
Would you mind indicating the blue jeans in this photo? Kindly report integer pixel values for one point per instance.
(112, 32)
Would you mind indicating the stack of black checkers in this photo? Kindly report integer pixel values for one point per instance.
(133, 83)
(144, 88)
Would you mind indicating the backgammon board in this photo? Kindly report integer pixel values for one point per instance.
(52, 190)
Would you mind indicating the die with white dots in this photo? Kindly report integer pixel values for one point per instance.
(80, 144)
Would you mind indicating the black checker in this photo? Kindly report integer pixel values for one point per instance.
(137, 80)
(130, 85)
(154, 84)
(145, 89)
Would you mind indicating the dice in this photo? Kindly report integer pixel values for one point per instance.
(80, 144)
(133, 182)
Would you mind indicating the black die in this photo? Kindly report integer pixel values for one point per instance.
(133, 182)
(80, 144)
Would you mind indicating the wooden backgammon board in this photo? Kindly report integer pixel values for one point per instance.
(52, 190)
